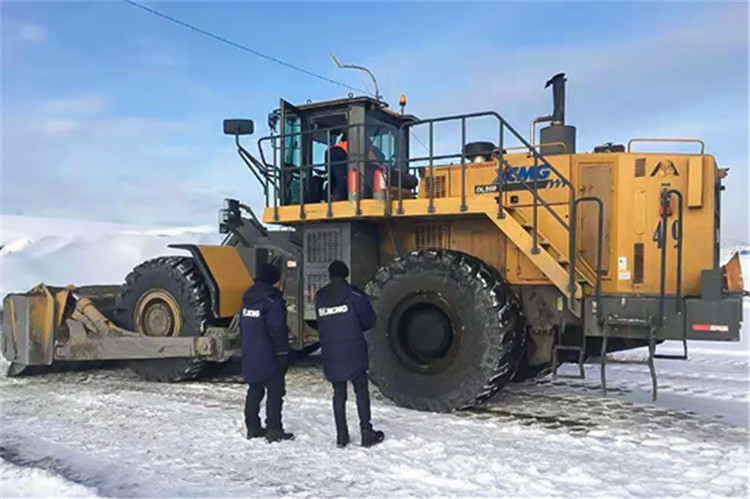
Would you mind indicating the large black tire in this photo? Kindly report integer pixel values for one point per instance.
(185, 305)
(449, 333)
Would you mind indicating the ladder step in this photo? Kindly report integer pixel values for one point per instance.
(608, 360)
(670, 357)
(570, 376)
(569, 347)
(627, 321)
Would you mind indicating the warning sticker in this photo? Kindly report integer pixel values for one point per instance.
(623, 276)
(622, 263)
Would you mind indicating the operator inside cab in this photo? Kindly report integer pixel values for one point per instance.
(339, 161)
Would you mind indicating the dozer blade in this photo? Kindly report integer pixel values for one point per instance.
(34, 321)
(59, 329)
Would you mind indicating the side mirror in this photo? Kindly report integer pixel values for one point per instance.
(239, 127)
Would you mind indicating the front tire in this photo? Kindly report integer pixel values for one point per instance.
(165, 296)
(449, 332)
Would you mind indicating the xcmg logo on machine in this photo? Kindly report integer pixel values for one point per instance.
(521, 177)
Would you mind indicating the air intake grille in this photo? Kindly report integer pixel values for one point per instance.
(638, 263)
(640, 167)
(440, 186)
(431, 236)
(323, 246)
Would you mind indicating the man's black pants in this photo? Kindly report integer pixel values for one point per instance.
(276, 388)
(362, 392)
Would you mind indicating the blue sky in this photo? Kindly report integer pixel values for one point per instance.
(114, 114)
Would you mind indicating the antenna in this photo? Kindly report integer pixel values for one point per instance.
(360, 68)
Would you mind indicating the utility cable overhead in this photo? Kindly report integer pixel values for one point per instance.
(243, 47)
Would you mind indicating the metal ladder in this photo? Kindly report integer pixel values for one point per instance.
(654, 325)
(581, 348)
(559, 346)
(613, 323)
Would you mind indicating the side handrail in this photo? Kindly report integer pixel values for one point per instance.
(573, 251)
(542, 145)
(666, 196)
(689, 141)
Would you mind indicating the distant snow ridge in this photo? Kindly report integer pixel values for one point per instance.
(61, 252)
(17, 245)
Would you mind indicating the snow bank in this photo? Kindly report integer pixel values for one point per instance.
(61, 252)
(16, 481)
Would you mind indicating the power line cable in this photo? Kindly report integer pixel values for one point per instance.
(254, 52)
(244, 47)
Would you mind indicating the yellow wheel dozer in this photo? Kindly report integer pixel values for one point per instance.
(489, 256)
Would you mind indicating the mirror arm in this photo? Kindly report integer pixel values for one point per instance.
(251, 161)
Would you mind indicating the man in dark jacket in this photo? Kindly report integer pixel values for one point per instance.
(344, 313)
(265, 350)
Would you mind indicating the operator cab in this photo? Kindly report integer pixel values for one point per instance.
(303, 136)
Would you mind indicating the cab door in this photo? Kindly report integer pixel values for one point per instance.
(290, 152)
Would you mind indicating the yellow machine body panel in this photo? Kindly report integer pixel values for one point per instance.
(230, 274)
(629, 185)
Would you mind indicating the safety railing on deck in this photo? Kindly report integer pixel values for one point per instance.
(503, 126)
(533, 188)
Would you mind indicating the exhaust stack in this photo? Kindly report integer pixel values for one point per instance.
(560, 137)
(558, 98)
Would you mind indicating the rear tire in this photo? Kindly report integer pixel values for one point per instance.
(449, 333)
(165, 296)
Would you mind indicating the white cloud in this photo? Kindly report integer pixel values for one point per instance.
(90, 104)
(31, 32)
(58, 127)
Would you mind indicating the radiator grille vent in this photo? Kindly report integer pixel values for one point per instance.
(431, 236)
(640, 167)
(314, 283)
(440, 186)
(638, 263)
(323, 246)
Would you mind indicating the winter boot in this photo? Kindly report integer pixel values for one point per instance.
(342, 440)
(256, 433)
(372, 437)
(278, 436)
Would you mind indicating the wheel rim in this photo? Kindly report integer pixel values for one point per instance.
(158, 314)
(425, 332)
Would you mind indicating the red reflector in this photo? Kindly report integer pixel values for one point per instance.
(720, 328)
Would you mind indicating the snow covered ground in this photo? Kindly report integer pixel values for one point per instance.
(118, 436)
(105, 433)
